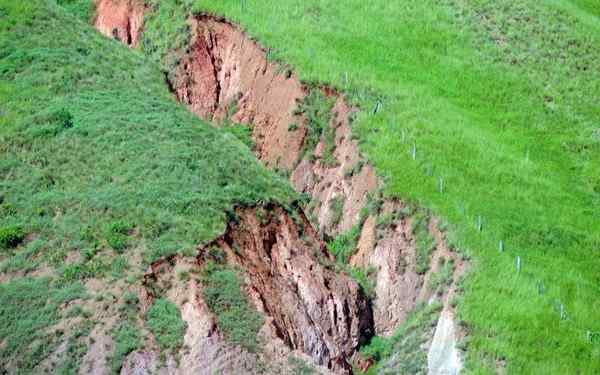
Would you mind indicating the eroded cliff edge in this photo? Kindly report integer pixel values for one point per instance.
(291, 277)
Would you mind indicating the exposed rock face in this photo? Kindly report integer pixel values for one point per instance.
(397, 284)
(313, 309)
(122, 20)
(308, 307)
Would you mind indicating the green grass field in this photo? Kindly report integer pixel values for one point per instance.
(501, 100)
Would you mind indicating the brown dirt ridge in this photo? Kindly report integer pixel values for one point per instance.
(310, 309)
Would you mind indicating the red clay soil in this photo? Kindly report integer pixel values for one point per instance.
(289, 274)
(122, 20)
(225, 71)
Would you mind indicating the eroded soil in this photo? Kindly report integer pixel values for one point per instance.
(310, 308)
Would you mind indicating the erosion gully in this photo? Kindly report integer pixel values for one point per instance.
(312, 310)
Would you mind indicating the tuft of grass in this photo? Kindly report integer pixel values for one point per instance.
(344, 244)
(127, 339)
(336, 205)
(11, 236)
(424, 241)
(223, 294)
(441, 279)
(76, 350)
(165, 323)
(402, 353)
(317, 109)
(300, 367)
(116, 235)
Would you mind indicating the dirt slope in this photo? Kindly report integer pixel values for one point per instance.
(313, 310)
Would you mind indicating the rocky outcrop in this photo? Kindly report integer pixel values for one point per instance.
(309, 308)
(313, 308)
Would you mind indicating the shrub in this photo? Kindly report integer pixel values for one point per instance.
(116, 235)
(235, 317)
(11, 236)
(343, 245)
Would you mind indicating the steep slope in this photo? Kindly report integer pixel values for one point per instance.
(486, 112)
(224, 76)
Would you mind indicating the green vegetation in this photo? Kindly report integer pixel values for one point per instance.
(236, 318)
(127, 339)
(76, 350)
(166, 33)
(11, 236)
(164, 321)
(343, 247)
(336, 206)
(344, 244)
(95, 155)
(93, 145)
(29, 307)
(82, 9)
(402, 352)
(425, 243)
(501, 99)
(126, 335)
(316, 108)
(443, 277)
(299, 366)
(116, 235)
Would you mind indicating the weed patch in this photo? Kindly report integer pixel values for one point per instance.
(223, 294)
(164, 321)
(402, 352)
(11, 237)
(316, 108)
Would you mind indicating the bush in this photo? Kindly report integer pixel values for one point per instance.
(11, 236)
(223, 295)
(116, 235)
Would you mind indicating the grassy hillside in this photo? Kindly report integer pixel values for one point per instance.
(496, 101)
(98, 167)
(500, 100)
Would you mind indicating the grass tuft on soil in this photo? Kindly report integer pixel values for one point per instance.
(236, 318)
